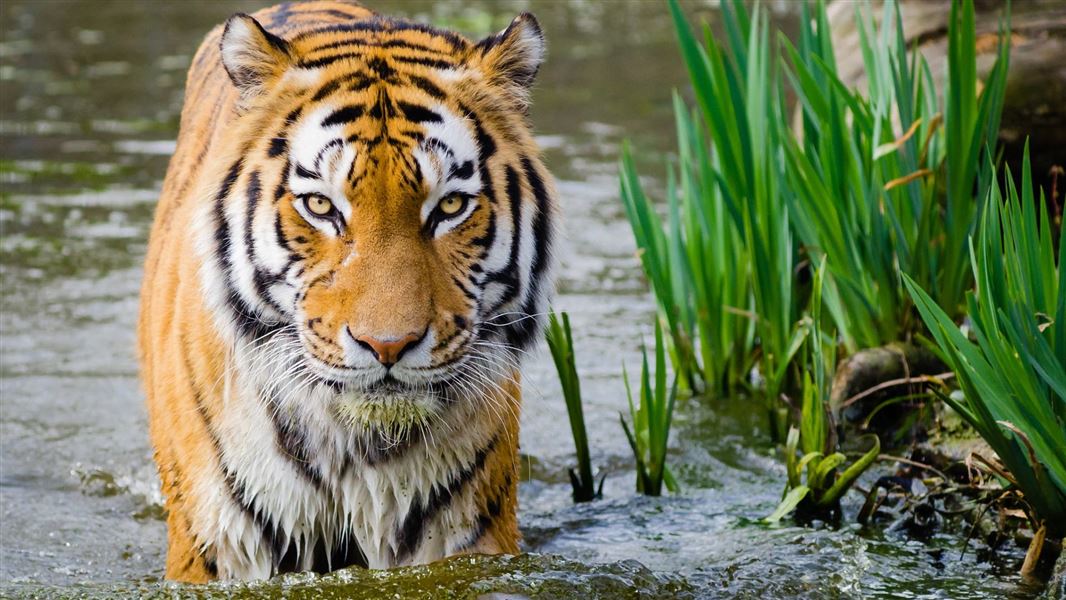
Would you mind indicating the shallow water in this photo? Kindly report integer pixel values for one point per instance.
(90, 99)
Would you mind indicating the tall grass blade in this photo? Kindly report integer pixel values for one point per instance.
(561, 344)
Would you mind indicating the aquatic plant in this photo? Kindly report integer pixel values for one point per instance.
(561, 344)
(880, 203)
(1013, 371)
(810, 447)
(879, 182)
(723, 268)
(651, 422)
(697, 264)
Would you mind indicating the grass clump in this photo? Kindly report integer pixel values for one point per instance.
(651, 418)
(561, 344)
(810, 447)
(883, 181)
(1012, 366)
(874, 183)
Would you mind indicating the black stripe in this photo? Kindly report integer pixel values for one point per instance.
(247, 322)
(278, 146)
(461, 171)
(326, 12)
(327, 89)
(291, 441)
(334, 143)
(443, 342)
(335, 84)
(269, 530)
(522, 332)
(542, 234)
(301, 171)
(485, 142)
(233, 488)
(379, 24)
(279, 233)
(427, 86)
(432, 63)
(370, 43)
(508, 275)
(377, 64)
(409, 535)
(376, 109)
(486, 148)
(408, 135)
(198, 397)
(329, 60)
(281, 190)
(344, 115)
(262, 278)
(371, 142)
(418, 114)
(361, 83)
(491, 512)
(462, 287)
(485, 241)
(380, 66)
(440, 145)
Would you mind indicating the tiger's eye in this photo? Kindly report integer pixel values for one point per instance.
(319, 205)
(451, 205)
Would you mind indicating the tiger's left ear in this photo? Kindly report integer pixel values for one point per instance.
(252, 56)
(512, 57)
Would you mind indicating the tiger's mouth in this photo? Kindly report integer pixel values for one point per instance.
(388, 407)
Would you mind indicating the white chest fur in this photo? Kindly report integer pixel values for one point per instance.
(296, 486)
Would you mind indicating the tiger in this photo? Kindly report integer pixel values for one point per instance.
(351, 255)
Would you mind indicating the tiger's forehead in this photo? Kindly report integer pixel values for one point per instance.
(418, 142)
(409, 43)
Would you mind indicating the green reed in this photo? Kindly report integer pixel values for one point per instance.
(809, 449)
(722, 270)
(875, 184)
(1013, 370)
(880, 187)
(651, 418)
(561, 344)
(697, 263)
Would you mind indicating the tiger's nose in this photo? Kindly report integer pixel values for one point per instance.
(389, 351)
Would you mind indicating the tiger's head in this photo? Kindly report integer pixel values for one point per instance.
(384, 230)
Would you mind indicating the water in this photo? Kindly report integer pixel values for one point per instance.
(90, 99)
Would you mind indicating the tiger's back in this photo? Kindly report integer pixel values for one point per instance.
(354, 208)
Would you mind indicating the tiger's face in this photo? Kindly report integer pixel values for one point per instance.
(386, 225)
(393, 232)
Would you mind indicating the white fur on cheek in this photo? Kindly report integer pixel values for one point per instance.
(324, 153)
(450, 147)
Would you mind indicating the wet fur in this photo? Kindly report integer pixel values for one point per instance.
(245, 305)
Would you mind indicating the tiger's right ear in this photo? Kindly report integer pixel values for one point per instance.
(252, 56)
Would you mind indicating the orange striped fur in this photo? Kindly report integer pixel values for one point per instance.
(351, 252)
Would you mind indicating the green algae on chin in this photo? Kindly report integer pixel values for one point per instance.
(394, 417)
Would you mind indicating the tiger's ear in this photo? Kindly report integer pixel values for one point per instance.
(512, 57)
(252, 56)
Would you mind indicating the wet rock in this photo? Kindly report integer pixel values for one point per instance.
(867, 379)
(1035, 103)
(1056, 588)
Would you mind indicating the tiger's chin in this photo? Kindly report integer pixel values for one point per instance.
(392, 412)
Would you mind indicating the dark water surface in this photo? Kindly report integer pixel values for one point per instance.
(91, 93)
